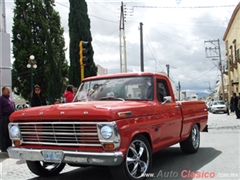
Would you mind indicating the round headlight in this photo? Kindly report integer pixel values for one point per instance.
(106, 132)
(14, 132)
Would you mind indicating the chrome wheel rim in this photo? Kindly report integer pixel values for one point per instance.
(137, 160)
(195, 137)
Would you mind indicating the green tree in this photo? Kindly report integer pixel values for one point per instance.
(79, 29)
(56, 53)
(37, 31)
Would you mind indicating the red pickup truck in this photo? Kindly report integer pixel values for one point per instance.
(116, 120)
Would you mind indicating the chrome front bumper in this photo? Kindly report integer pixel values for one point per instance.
(77, 157)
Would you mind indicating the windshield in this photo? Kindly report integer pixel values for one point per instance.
(219, 103)
(125, 88)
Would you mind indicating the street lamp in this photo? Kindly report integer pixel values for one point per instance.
(31, 64)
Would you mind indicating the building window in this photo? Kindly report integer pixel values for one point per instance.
(231, 55)
(235, 50)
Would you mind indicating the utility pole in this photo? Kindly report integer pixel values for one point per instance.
(229, 74)
(221, 70)
(5, 51)
(179, 90)
(141, 48)
(2, 16)
(210, 89)
(122, 38)
(214, 51)
(168, 67)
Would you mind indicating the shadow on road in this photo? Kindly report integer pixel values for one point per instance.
(88, 173)
(166, 161)
(3, 156)
(173, 160)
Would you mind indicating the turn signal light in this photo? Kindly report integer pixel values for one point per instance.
(124, 114)
(17, 143)
(108, 146)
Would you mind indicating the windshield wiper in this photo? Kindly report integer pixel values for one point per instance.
(112, 98)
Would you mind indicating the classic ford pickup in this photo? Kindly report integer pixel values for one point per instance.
(116, 120)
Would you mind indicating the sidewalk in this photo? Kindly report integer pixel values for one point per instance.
(223, 121)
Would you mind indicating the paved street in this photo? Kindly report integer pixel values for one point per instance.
(218, 157)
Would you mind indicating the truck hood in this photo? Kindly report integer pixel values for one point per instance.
(92, 110)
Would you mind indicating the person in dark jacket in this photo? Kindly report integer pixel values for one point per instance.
(235, 103)
(37, 98)
(6, 109)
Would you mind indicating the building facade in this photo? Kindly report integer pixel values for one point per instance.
(232, 48)
(101, 70)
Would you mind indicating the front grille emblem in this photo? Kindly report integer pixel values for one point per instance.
(41, 113)
(85, 112)
(62, 112)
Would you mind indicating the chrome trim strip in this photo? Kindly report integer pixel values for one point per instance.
(64, 144)
(55, 133)
(78, 157)
(65, 122)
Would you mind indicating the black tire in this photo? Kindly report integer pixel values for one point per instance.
(78, 165)
(45, 169)
(139, 153)
(191, 144)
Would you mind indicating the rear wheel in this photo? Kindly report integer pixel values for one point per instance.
(137, 163)
(45, 169)
(191, 144)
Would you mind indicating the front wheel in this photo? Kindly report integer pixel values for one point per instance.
(137, 163)
(191, 144)
(45, 169)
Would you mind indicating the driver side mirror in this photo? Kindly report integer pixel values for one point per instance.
(167, 99)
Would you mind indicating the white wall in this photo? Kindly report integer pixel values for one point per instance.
(5, 61)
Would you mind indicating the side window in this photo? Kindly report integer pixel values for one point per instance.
(162, 90)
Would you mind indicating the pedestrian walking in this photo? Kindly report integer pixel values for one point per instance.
(69, 93)
(227, 105)
(238, 107)
(237, 111)
(232, 104)
(37, 97)
(6, 109)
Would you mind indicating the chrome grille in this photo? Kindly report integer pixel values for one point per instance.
(60, 133)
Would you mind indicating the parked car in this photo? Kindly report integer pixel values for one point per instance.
(21, 106)
(218, 106)
(208, 104)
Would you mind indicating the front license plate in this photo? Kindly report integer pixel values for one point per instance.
(52, 155)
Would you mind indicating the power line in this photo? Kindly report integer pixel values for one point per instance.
(184, 7)
(105, 7)
(86, 13)
(27, 73)
(172, 40)
(105, 42)
(152, 53)
(211, 68)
